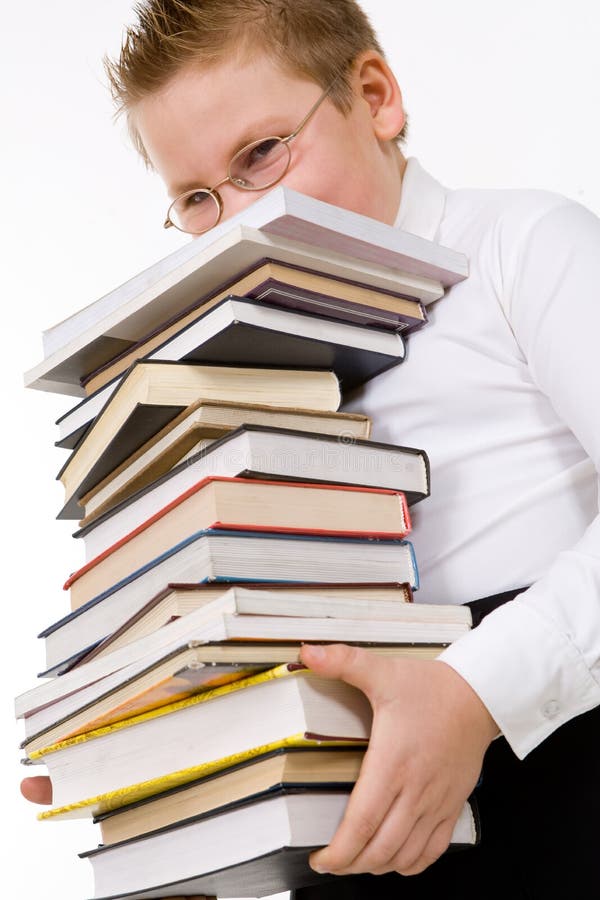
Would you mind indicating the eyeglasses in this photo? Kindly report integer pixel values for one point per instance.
(255, 167)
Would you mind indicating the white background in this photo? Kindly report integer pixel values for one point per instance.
(500, 94)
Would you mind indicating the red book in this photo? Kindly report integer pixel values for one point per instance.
(248, 505)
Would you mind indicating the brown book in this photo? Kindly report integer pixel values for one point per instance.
(204, 421)
(287, 286)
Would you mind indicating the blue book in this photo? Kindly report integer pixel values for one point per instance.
(217, 555)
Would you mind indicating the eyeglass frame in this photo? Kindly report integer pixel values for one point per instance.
(213, 191)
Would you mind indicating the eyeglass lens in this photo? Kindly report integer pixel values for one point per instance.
(255, 168)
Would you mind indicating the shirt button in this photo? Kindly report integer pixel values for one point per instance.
(551, 708)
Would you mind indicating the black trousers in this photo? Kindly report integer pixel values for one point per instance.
(540, 826)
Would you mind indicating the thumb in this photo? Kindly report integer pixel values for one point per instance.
(37, 789)
(350, 664)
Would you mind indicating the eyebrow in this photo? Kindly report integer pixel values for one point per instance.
(253, 133)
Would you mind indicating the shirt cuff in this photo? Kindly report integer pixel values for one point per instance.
(528, 674)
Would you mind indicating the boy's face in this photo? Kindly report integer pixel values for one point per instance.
(193, 127)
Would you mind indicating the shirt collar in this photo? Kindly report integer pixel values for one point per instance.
(422, 202)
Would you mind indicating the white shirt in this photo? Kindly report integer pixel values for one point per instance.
(502, 390)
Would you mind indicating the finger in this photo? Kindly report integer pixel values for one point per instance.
(350, 664)
(37, 789)
(397, 836)
(369, 803)
(436, 845)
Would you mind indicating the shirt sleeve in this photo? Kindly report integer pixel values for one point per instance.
(551, 672)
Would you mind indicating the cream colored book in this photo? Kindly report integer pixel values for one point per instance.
(202, 421)
(153, 393)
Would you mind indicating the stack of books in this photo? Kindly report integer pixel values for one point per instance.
(230, 512)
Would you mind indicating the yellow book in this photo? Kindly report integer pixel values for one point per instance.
(133, 793)
(284, 706)
(285, 767)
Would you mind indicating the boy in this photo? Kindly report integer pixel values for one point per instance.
(497, 390)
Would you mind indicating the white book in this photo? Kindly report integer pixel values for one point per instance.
(260, 848)
(272, 453)
(229, 556)
(282, 706)
(284, 226)
(127, 661)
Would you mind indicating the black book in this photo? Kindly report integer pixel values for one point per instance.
(245, 332)
(254, 848)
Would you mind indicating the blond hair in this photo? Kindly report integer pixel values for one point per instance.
(319, 39)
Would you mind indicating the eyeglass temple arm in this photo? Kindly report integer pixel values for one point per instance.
(312, 110)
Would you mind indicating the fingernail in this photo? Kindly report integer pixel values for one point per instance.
(316, 652)
(321, 870)
(317, 866)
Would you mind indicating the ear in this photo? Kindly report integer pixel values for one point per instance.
(376, 85)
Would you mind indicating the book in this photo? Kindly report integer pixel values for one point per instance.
(291, 287)
(244, 504)
(178, 600)
(140, 655)
(128, 693)
(153, 393)
(177, 675)
(316, 235)
(264, 452)
(253, 847)
(285, 706)
(209, 420)
(240, 332)
(325, 767)
(249, 617)
(215, 555)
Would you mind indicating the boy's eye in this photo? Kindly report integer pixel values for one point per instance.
(260, 153)
(195, 199)
(260, 163)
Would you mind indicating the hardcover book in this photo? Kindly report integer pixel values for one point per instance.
(209, 420)
(248, 504)
(153, 393)
(283, 225)
(230, 556)
(290, 287)
(255, 451)
(256, 847)
(285, 706)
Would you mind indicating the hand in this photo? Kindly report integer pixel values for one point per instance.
(39, 790)
(429, 735)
